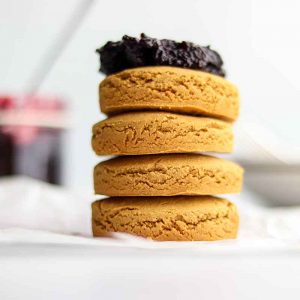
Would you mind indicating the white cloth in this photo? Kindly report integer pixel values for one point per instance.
(29, 204)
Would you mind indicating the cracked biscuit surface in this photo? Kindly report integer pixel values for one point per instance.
(138, 133)
(167, 175)
(169, 89)
(178, 218)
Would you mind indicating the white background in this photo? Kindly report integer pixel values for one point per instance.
(259, 41)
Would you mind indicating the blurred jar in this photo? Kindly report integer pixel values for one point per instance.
(31, 130)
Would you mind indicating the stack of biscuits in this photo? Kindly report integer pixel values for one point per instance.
(160, 118)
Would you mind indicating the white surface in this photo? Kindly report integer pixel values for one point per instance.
(263, 263)
(82, 272)
(39, 271)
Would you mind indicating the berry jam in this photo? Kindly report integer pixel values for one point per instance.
(133, 52)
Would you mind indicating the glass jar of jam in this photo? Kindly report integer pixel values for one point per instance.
(31, 129)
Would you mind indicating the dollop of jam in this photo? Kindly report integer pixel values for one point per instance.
(133, 52)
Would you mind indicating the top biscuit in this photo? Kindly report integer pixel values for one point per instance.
(169, 89)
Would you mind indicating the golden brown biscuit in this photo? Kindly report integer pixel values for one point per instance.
(170, 89)
(167, 175)
(138, 133)
(181, 218)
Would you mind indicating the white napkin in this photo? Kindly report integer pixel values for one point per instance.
(30, 204)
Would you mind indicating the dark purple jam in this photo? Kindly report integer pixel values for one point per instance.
(133, 52)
